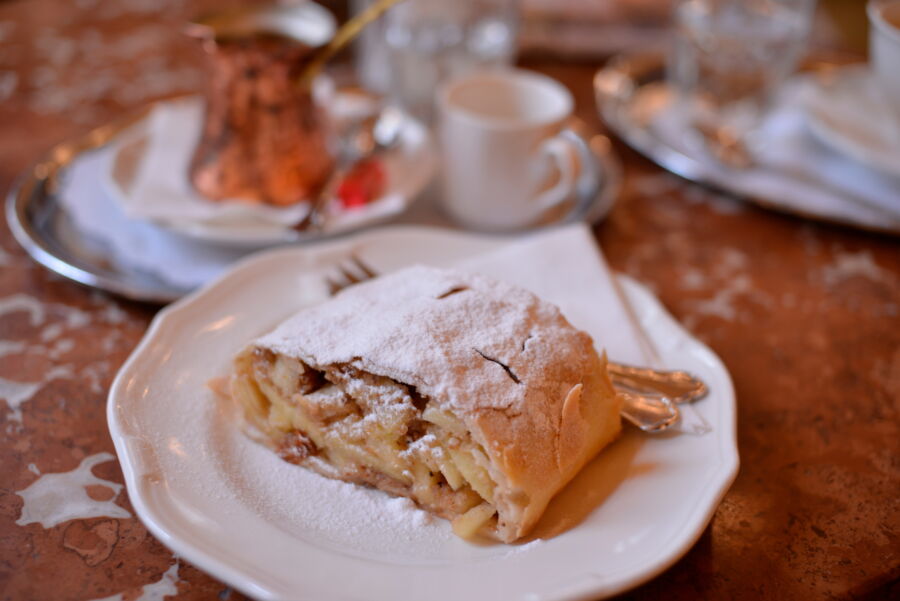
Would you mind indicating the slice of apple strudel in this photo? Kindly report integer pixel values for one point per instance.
(472, 397)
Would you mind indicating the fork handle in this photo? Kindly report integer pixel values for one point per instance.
(678, 386)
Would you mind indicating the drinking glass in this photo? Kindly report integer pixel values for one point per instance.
(729, 59)
(425, 42)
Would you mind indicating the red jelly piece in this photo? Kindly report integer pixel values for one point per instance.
(364, 183)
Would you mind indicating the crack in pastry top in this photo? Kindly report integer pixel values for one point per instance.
(419, 326)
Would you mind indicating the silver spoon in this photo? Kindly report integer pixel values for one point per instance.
(376, 134)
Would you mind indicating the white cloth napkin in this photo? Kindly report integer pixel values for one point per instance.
(161, 190)
(565, 267)
(134, 244)
(795, 170)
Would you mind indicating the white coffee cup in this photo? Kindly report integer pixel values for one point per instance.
(505, 161)
(884, 49)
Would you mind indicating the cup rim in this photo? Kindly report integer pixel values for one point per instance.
(877, 20)
(447, 106)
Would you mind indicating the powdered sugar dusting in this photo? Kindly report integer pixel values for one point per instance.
(404, 510)
(456, 337)
(425, 444)
(326, 513)
(331, 512)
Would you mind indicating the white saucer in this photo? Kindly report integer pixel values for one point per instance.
(845, 109)
(235, 510)
(148, 178)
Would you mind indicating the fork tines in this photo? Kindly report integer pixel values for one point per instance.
(352, 272)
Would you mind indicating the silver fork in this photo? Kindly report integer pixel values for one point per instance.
(650, 396)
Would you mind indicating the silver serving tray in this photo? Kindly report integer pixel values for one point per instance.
(631, 90)
(43, 228)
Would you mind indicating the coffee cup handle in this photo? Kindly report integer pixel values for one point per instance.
(567, 156)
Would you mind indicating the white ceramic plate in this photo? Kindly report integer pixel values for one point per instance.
(164, 196)
(846, 111)
(231, 507)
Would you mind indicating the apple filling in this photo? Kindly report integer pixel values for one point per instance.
(368, 429)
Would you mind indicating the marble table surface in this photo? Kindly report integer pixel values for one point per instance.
(806, 317)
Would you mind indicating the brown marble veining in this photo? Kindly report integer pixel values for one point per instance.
(805, 316)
